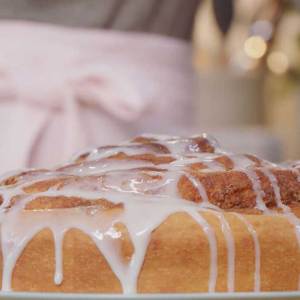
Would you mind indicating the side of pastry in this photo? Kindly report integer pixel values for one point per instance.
(153, 215)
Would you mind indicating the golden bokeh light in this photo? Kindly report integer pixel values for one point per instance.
(255, 47)
(278, 62)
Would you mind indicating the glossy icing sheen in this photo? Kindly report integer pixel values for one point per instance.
(149, 194)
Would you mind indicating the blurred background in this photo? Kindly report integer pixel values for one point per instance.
(75, 74)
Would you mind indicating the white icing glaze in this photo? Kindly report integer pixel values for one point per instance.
(212, 245)
(292, 218)
(228, 235)
(297, 171)
(276, 189)
(254, 235)
(58, 235)
(149, 195)
(200, 188)
(260, 204)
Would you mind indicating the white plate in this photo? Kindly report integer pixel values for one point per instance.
(200, 296)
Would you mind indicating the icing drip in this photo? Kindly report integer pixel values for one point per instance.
(230, 250)
(14, 240)
(147, 194)
(292, 218)
(212, 245)
(253, 233)
(58, 243)
(297, 171)
(260, 204)
(201, 190)
(242, 163)
(276, 189)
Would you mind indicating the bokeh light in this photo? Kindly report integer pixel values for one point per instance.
(255, 47)
(278, 62)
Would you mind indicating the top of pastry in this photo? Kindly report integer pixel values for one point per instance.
(195, 169)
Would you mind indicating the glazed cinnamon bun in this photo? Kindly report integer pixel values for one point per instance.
(156, 214)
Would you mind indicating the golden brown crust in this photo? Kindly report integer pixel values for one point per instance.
(46, 203)
(178, 252)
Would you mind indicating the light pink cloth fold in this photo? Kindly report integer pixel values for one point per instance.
(62, 89)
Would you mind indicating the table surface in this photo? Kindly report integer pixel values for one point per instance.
(195, 296)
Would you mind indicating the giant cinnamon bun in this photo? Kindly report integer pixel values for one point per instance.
(156, 214)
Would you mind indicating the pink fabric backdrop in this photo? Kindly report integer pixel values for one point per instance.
(62, 90)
